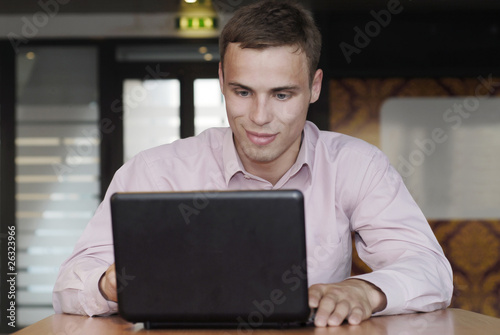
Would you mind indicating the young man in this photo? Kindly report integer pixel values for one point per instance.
(268, 75)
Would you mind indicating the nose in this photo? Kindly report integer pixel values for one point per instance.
(261, 113)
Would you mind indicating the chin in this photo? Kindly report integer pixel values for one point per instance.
(260, 155)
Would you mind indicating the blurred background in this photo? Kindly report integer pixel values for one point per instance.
(85, 85)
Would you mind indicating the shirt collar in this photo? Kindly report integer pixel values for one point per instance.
(233, 164)
(304, 158)
(230, 158)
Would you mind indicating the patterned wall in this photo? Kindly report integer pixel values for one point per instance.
(472, 246)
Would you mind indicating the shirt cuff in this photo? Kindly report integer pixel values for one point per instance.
(395, 300)
(92, 301)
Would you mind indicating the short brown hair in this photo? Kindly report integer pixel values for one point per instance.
(272, 24)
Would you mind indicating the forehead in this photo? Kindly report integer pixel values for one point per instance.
(267, 62)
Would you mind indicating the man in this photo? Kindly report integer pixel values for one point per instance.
(268, 75)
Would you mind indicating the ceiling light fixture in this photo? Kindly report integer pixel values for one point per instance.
(197, 18)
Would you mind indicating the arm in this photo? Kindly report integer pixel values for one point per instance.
(77, 292)
(410, 272)
(77, 289)
(394, 238)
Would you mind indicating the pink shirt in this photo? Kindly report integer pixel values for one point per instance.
(348, 185)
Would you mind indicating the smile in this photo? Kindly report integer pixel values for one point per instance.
(260, 139)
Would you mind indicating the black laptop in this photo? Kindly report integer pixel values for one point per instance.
(219, 259)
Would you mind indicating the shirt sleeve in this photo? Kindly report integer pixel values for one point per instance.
(76, 290)
(395, 240)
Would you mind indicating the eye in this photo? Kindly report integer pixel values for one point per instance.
(243, 93)
(282, 96)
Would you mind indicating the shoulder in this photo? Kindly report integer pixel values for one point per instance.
(177, 158)
(354, 166)
(208, 143)
(182, 164)
(335, 147)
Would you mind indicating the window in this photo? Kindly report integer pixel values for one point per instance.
(151, 114)
(152, 111)
(438, 146)
(57, 166)
(210, 110)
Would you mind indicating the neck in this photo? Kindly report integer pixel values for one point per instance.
(272, 171)
(268, 171)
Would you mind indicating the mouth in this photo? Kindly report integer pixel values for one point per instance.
(260, 138)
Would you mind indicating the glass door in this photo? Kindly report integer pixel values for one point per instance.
(169, 92)
(151, 114)
(209, 107)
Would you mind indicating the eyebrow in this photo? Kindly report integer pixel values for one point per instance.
(275, 89)
(240, 86)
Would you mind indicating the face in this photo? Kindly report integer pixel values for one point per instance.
(267, 93)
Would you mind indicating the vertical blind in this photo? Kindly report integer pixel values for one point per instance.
(57, 166)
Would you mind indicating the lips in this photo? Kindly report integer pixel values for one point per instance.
(260, 138)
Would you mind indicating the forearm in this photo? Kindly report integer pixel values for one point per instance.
(413, 284)
(76, 290)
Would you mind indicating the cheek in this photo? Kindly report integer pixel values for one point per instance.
(291, 113)
(235, 108)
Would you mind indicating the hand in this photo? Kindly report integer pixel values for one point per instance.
(352, 299)
(107, 284)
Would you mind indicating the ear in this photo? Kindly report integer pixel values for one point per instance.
(316, 85)
(221, 78)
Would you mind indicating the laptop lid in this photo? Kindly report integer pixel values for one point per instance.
(226, 257)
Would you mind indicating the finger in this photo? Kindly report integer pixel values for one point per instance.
(357, 315)
(326, 306)
(315, 294)
(339, 314)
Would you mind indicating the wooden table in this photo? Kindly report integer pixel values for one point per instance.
(446, 322)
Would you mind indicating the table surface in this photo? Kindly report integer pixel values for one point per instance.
(443, 322)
